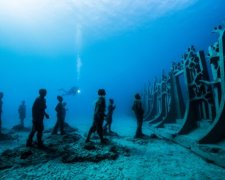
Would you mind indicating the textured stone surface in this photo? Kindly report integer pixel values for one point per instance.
(67, 148)
(20, 128)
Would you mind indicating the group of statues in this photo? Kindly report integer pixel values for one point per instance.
(39, 113)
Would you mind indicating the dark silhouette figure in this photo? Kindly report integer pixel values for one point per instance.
(22, 113)
(38, 114)
(139, 113)
(99, 115)
(111, 108)
(1, 96)
(61, 113)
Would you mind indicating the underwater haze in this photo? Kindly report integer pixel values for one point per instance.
(117, 45)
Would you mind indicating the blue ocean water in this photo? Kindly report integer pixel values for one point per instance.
(117, 45)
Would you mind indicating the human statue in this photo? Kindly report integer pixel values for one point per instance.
(99, 115)
(22, 113)
(1, 103)
(111, 108)
(61, 113)
(139, 113)
(38, 115)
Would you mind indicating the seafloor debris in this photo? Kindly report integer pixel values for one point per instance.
(69, 148)
(20, 128)
(7, 135)
(67, 128)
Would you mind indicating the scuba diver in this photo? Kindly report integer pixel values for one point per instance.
(22, 113)
(38, 114)
(71, 92)
(99, 115)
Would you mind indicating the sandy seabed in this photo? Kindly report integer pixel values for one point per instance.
(152, 158)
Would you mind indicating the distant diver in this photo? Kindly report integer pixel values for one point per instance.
(71, 92)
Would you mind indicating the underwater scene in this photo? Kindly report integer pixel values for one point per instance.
(100, 89)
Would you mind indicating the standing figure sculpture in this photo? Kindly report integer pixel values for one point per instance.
(111, 108)
(1, 96)
(99, 115)
(22, 113)
(65, 109)
(139, 113)
(38, 114)
(61, 113)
